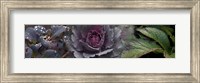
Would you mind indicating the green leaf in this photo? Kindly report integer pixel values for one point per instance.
(141, 47)
(157, 35)
(168, 31)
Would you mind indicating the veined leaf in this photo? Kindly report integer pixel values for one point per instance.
(168, 30)
(157, 35)
(141, 47)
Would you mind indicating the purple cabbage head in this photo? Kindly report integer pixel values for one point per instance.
(87, 41)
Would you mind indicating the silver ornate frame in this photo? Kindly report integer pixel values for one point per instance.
(8, 5)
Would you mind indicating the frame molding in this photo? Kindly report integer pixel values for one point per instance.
(8, 5)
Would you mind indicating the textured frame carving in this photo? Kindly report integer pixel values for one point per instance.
(8, 5)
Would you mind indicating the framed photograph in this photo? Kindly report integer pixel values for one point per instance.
(99, 41)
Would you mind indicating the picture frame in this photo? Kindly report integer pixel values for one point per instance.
(9, 5)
